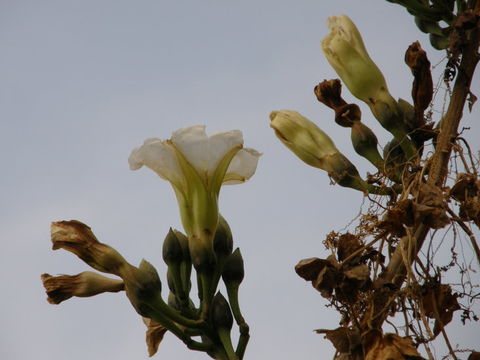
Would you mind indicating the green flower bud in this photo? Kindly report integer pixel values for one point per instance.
(172, 250)
(233, 270)
(223, 239)
(220, 315)
(143, 287)
(365, 144)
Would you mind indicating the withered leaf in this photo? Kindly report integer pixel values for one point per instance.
(431, 208)
(439, 296)
(308, 269)
(347, 245)
(422, 89)
(392, 347)
(326, 281)
(343, 339)
(359, 273)
(154, 335)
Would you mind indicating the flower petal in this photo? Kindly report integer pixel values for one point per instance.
(158, 156)
(204, 153)
(242, 167)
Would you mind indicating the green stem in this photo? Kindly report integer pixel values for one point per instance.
(224, 335)
(243, 340)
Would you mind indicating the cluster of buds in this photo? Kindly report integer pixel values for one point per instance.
(346, 52)
(196, 165)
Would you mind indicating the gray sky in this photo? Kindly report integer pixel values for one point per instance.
(84, 82)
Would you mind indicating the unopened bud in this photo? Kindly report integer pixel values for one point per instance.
(303, 137)
(223, 239)
(345, 51)
(143, 287)
(79, 239)
(172, 250)
(233, 270)
(85, 284)
(221, 316)
(365, 143)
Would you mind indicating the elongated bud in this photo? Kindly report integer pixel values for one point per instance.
(223, 239)
(221, 316)
(143, 287)
(303, 137)
(172, 250)
(85, 284)
(394, 158)
(345, 51)
(233, 270)
(79, 239)
(365, 144)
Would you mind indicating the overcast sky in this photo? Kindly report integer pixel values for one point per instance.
(84, 82)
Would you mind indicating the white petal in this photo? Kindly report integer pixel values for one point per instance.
(202, 152)
(159, 157)
(242, 167)
(192, 142)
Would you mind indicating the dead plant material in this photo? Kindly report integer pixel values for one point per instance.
(422, 89)
(389, 346)
(345, 340)
(431, 208)
(439, 303)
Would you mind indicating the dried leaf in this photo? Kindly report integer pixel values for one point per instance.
(422, 89)
(431, 208)
(308, 269)
(439, 296)
(343, 339)
(347, 245)
(359, 273)
(389, 346)
(154, 335)
(326, 281)
(471, 99)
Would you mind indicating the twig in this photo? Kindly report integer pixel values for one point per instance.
(465, 228)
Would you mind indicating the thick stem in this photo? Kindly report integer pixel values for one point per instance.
(396, 269)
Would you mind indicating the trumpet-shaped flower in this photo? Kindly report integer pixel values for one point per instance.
(197, 165)
(345, 51)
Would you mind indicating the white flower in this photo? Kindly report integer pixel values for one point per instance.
(345, 51)
(197, 165)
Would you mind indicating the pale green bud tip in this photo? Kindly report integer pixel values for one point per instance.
(345, 51)
(303, 137)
